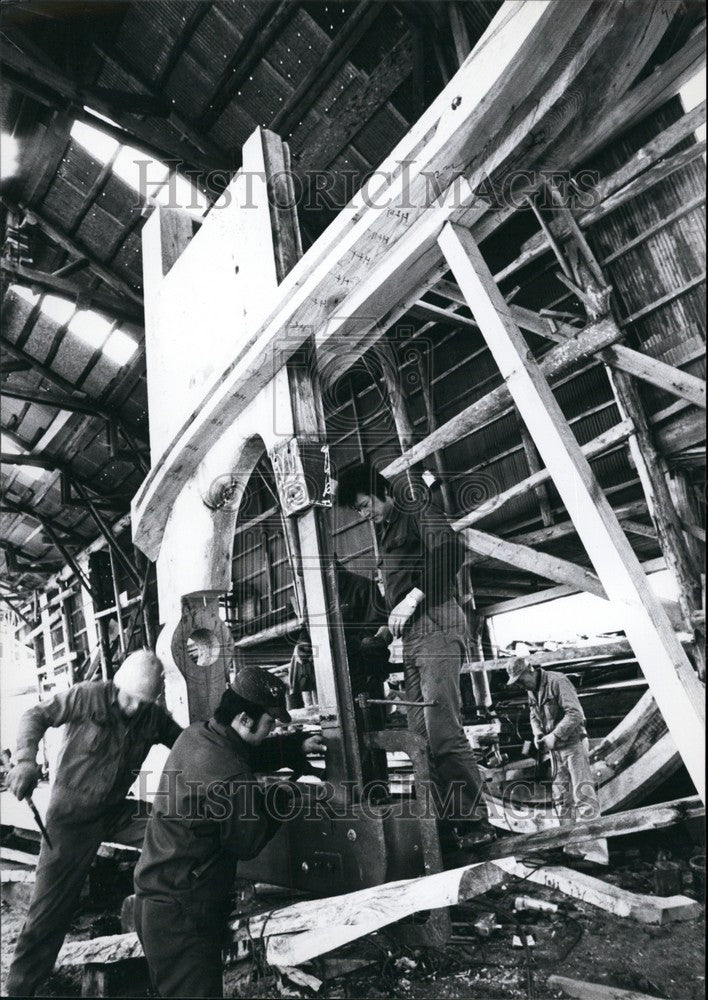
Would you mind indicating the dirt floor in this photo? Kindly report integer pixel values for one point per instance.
(580, 942)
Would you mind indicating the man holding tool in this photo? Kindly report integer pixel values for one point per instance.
(420, 559)
(209, 812)
(558, 726)
(110, 727)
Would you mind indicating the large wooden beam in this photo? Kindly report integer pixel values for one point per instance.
(598, 446)
(648, 95)
(532, 561)
(304, 930)
(29, 277)
(645, 909)
(553, 593)
(678, 692)
(555, 363)
(70, 245)
(383, 248)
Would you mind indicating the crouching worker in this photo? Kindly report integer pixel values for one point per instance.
(110, 727)
(209, 812)
(558, 726)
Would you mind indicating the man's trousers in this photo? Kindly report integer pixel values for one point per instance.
(61, 872)
(433, 652)
(182, 939)
(575, 799)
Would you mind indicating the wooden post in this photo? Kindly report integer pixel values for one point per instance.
(674, 684)
(649, 463)
(116, 598)
(535, 467)
(313, 532)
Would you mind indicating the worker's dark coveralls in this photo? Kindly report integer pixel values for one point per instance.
(420, 550)
(209, 812)
(100, 756)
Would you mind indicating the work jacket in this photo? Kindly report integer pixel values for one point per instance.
(102, 750)
(419, 549)
(555, 708)
(209, 811)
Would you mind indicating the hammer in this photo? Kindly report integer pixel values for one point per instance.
(7, 760)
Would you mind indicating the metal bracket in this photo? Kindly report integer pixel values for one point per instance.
(302, 474)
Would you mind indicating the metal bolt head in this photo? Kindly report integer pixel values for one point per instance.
(351, 834)
(456, 102)
(305, 867)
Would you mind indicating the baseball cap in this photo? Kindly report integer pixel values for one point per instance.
(516, 668)
(261, 688)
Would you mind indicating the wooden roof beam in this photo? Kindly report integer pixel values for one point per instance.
(8, 506)
(58, 402)
(30, 277)
(81, 405)
(332, 60)
(28, 70)
(271, 20)
(69, 244)
(180, 124)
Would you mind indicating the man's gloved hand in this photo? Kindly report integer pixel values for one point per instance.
(23, 779)
(546, 742)
(403, 611)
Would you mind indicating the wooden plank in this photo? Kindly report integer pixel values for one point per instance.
(531, 560)
(598, 446)
(553, 593)
(582, 990)
(641, 907)
(556, 362)
(20, 857)
(656, 372)
(671, 677)
(559, 657)
(377, 252)
(105, 950)
(297, 933)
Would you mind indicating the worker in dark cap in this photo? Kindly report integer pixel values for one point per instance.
(110, 727)
(208, 814)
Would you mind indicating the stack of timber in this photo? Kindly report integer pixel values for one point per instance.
(300, 932)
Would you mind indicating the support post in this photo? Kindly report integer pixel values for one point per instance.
(649, 463)
(674, 684)
(116, 598)
(319, 577)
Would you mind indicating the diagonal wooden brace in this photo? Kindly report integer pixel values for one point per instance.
(673, 682)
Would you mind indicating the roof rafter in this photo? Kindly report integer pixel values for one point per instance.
(28, 71)
(254, 44)
(69, 243)
(30, 277)
(334, 57)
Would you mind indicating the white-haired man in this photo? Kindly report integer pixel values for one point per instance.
(110, 727)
